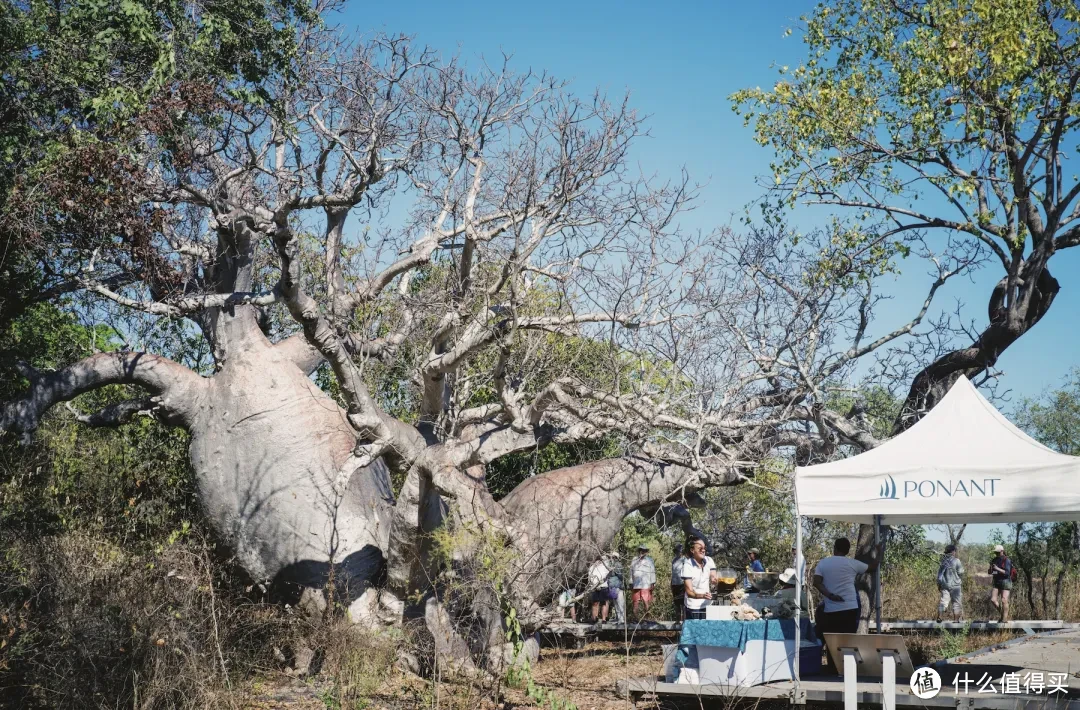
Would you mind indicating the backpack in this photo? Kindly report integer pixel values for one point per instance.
(941, 582)
(1011, 569)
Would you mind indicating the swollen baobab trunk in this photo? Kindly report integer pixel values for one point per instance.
(267, 447)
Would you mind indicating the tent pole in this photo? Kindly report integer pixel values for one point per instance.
(877, 574)
(798, 595)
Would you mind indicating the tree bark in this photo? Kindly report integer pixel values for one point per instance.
(1066, 565)
(177, 390)
(268, 448)
(1008, 322)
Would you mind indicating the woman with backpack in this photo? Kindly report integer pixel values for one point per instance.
(950, 579)
(1004, 574)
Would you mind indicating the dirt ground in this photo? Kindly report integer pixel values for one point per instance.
(586, 678)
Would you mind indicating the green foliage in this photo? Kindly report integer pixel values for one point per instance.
(1054, 418)
(132, 483)
(752, 515)
(880, 407)
(532, 360)
(504, 474)
(82, 83)
(45, 337)
(955, 643)
(1047, 551)
(898, 102)
(909, 550)
(94, 62)
(475, 561)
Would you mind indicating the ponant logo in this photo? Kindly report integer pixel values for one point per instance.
(937, 488)
(888, 488)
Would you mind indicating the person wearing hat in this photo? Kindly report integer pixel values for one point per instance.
(950, 579)
(1001, 570)
(787, 580)
(753, 555)
(643, 579)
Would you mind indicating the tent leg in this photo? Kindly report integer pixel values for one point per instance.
(798, 599)
(877, 575)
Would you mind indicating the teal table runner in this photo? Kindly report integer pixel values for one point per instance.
(734, 634)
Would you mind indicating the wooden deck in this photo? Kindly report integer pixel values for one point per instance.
(582, 633)
(830, 691)
(610, 629)
(1051, 652)
(1028, 626)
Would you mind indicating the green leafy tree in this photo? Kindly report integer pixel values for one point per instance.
(942, 126)
(132, 483)
(81, 82)
(1046, 552)
(1054, 418)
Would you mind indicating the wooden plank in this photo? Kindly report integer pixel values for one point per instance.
(580, 629)
(1061, 634)
(1020, 625)
(831, 692)
(656, 626)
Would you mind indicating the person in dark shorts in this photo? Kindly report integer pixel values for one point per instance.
(677, 582)
(699, 577)
(598, 576)
(834, 579)
(1001, 570)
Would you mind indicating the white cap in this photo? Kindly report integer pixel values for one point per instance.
(999, 548)
(787, 575)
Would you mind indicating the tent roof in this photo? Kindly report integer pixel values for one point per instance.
(962, 462)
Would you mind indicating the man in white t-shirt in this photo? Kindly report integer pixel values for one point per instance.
(699, 577)
(642, 579)
(834, 578)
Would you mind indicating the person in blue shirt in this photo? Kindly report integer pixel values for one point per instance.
(754, 556)
(755, 560)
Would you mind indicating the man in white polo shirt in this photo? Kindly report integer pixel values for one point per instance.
(699, 577)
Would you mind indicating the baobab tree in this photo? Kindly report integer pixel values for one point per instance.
(477, 270)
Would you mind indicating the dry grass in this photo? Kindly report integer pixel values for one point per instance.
(87, 625)
(910, 596)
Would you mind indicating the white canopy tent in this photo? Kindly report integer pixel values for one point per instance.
(962, 462)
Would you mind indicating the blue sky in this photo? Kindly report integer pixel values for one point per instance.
(680, 63)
